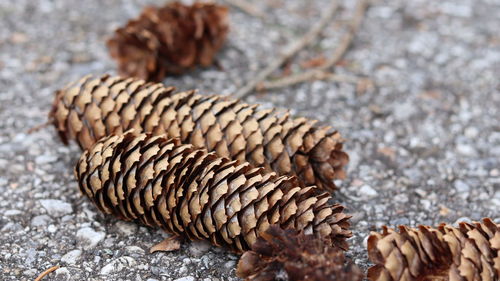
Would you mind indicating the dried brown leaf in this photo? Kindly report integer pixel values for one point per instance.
(169, 244)
(290, 255)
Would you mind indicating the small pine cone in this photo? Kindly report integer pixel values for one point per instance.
(96, 107)
(290, 255)
(192, 193)
(169, 40)
(464, 253)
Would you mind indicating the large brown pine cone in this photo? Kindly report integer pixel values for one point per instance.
(464, 253)
(190, 192)
(169, 40)
(95, 107)
(290, 255)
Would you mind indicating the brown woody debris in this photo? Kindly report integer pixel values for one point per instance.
(290, 255)
(464, 253)
(96, 107)
(198, 195)
(167, 245)
(169, 40)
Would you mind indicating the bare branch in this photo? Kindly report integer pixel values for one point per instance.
(312, 75)
(346, 40)
(320, 72)
(247, 8)
(289, 51)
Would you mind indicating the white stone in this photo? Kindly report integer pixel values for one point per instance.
(495, 173)
(10, 213)
(45, 159)
(495, 202)
(367, 191)
(40, 220)
(89, 237)
(118, 265)
(52, 228)
(466, 150)
(471, 132)
(187, 278)
(455, 9)
(72, 257)
(56, 207)
(134, 250)
(461, 186)
(497, 194)
(63, 274)
(426, 204)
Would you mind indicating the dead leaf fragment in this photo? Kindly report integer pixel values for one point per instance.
(167, 245)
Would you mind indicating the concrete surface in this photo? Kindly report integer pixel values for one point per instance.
(424, 142)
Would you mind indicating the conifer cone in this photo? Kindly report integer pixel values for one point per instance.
(198, 195)
(95, 107)
(290, 255)
(464, 253)
(169, 40)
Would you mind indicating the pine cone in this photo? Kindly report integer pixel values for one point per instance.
(290, 255)
(189, 192)
(169, 40)
(95, 107)
(465, 253)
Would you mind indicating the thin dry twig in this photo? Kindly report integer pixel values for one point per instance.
(321, 73)
(311, 75)
(46, 272)
(247, 8)
(38, 127)
(292, 49)
(346, 41)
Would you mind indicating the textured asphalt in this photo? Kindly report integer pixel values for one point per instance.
(424, 138)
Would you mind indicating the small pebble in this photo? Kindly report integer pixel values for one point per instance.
(56, 207)
(72, 257)
(118, 265)
(89, 238)
(367, 191)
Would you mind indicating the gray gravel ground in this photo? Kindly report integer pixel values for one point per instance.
(424, 142)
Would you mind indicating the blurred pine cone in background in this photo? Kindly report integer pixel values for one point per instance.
(290, 255)
(169, 40)
(469, 252)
